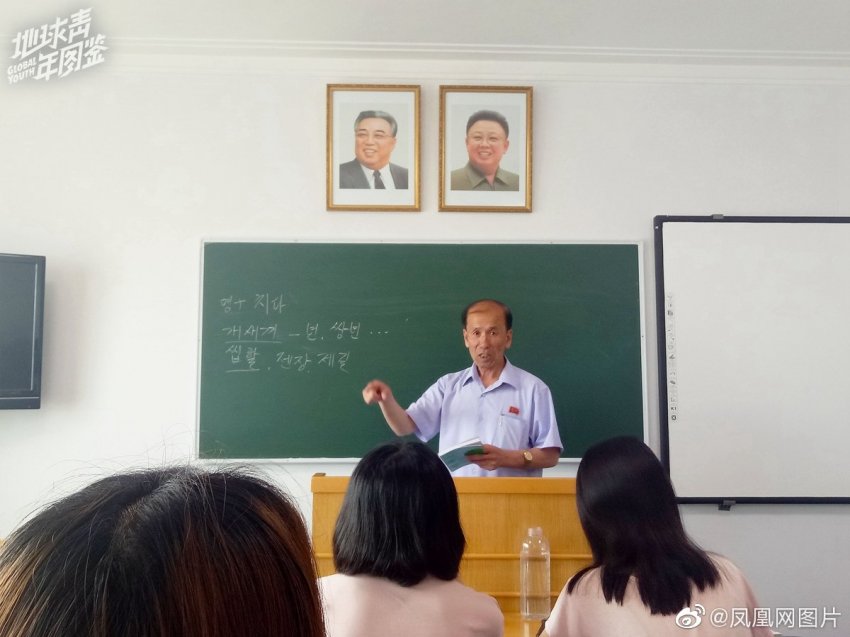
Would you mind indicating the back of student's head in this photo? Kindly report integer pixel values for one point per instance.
(399, 518)
(624, 493)
(629, 514)
(160, 553)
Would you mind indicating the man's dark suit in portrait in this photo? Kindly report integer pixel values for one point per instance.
(351, 175)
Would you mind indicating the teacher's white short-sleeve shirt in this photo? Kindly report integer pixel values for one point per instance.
(515, 412)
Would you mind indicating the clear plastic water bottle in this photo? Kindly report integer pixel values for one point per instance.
(534, 575)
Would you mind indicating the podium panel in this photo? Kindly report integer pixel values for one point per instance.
(496, 514)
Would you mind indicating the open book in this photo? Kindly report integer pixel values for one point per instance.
(455, 458)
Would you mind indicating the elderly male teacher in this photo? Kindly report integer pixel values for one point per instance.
(509, 409)
(486, 143)
(374, 141)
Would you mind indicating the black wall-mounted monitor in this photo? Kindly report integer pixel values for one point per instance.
(21, 328)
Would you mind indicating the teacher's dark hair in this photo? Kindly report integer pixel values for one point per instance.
(163, 553)
(399, 518)
(509, 315)
(380, 115)
(629, 514)
(488, 116)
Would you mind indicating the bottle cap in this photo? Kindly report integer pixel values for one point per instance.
(535, 530)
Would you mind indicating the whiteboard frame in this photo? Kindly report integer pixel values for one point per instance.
(668, 404)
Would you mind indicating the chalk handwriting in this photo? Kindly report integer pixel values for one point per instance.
(267, 303)
(251, 333)
(247, 358)
(304, 360)
(342, 328)
(259, 335)
(232, 304)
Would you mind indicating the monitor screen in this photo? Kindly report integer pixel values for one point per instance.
(21, 327)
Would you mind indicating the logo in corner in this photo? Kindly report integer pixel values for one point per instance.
(690, 618)
(57, 49)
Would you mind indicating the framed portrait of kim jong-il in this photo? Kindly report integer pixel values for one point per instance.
(373, 147)
(485, 148)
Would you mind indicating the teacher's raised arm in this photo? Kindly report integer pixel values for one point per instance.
(508, 409)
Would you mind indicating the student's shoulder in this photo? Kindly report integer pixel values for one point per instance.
(585, 612)
(727, 568)
(457, 591)
(459, 599)
(733, 581)
(330, 584)
(341, 585)
(587, 584)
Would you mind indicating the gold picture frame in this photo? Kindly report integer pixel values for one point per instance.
(492, 174)
(373, 127)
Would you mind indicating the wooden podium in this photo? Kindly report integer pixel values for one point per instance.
(496, 514)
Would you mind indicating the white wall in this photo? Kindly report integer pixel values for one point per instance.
(118, 173)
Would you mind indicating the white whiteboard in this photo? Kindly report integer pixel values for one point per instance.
(754, 356)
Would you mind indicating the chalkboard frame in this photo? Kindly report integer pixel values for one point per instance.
(664, 327)
(635, 401)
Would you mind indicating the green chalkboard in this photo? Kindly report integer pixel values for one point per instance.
(291, 332)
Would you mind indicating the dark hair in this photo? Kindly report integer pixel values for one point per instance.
(399, 518)
(509, 316)
(628, 511)
(380, 115)
(488, 116)
(161, 553)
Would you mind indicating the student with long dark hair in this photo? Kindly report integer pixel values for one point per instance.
(397, 548)
(162, 553)
(647, 575)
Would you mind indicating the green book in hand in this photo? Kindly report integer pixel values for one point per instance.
(456, 457)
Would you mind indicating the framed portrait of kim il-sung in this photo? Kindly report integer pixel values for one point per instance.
(373, 147)
(485, 148)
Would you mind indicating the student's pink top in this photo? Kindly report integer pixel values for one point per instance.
(366, 606)
(728, 608)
